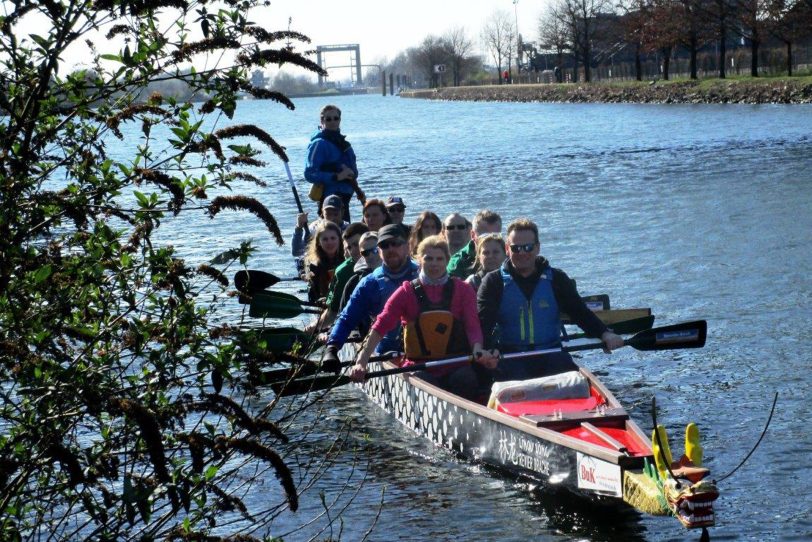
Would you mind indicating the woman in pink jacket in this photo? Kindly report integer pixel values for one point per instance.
(439, 316)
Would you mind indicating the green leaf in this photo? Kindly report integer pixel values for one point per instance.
(42, 274)
(211, 472)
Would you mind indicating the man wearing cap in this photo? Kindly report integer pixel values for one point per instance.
(396, 209)
(372, 292)
(332, 211)
(462, 262)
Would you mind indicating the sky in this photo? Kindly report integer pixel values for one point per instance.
(384, 28)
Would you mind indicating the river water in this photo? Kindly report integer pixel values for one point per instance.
(697, 211)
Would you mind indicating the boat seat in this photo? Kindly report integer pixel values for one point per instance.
(602, 415)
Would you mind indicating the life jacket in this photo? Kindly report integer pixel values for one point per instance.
(435, 333)
(527, 324)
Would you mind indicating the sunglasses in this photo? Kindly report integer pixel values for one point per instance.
(330, 119)
(452, 227)
(397, 209)
(369, 251)
(527, 247)
(393, 244)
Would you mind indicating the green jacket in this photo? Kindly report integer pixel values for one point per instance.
(462, 262)
(342, 274)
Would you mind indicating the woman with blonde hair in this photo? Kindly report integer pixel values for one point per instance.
(439, 316)
(324, 253)
(490, 254)
(427, 224)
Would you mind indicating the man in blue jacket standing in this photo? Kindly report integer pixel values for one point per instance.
(331, 160)
(373, 291)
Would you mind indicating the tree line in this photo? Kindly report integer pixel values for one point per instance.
(587, 32)
(582, 35)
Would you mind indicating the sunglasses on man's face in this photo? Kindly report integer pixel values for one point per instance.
(527, 247)
(330, 119)
(369, 251)
(397, 209)
(452, 227)
(393, 244)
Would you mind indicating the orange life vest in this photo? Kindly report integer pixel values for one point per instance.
(435, 333)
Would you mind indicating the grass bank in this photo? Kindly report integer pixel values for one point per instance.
(747, 90)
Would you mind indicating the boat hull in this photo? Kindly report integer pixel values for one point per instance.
(510, 444)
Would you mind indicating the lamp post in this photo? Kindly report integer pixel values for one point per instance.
(518, 42)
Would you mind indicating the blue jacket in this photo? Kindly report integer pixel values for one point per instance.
(326, 153)
(367, 301)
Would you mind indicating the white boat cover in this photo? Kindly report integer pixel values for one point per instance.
(569, 385)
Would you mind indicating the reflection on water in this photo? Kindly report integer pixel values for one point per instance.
(694, 211)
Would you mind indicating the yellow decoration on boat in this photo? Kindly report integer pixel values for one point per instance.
(693, 449)
(662, 458)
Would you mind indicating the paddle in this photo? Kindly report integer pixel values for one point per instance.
(277, 340)
(250, 280)
(293, 187)
(597, 302)
(613, 316)
(310, 367)
(272, 305)
(685, 335)
(622, 328)
(284, 338)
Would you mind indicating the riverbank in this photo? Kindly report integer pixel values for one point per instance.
(742, 91)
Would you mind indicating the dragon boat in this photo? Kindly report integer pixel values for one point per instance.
(566, 431)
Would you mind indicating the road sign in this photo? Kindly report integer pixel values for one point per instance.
(439, 68)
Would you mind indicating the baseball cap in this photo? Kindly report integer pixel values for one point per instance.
(332, 202)
(395, 201)
(390, 232)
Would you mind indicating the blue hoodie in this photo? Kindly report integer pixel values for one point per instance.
(367, 301)
(327, 151)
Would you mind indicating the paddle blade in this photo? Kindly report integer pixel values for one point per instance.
(687, 335)
(268, 306)
(276, 340)
(307, 385)
(633, 326)
(598, 302)
(250, 281)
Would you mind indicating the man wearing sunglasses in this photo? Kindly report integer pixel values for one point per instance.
(463, 262)
(397, 210)
(519, 307)
(331, 160)
(369, 261)
(457, 232)
(372, 292)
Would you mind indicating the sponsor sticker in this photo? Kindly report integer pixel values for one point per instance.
(665, 337)
(598, 475)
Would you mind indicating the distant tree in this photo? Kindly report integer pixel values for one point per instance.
(635, 26)
(554, 33)
(580, 18)
(290, 84)
(789, 20)
(431, 52)
(124, 410)
(752, 20)
(721, 14)
(694, 29)
(458, 52)
(499, 37)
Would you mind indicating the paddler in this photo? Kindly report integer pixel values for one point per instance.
(524, 299)
(332, 211)
(439, 316)
(330, 161)
(372, 292)
(324, 254)
(463, 262)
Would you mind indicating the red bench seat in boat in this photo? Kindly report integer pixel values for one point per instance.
(549, 407)
(620, 434)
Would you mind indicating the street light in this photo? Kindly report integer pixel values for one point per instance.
(518, 41)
